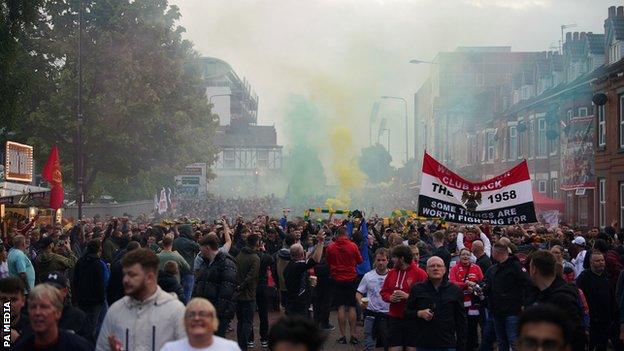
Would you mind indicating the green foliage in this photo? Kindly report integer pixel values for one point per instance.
(375, 163)
(145, 110)
(21, 71)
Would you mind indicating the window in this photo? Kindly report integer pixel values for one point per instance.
(555, 185)
(582, 112)
(531, 139)
(263, 158)
(602, 125)
(621, 121)
(621, 203)
(491, 144)
(541, 186)
(522, 153)
(513, 143)
(541, 137)
(228, 159)
(570, 114)
(614, 53)
(602, 201)
(479, 79)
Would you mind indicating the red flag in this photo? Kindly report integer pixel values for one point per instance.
(52, 173)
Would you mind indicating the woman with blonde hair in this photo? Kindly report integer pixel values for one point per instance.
(200, 323)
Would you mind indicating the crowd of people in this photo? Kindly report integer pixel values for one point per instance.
(131, 284)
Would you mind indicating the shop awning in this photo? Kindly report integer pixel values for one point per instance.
(18, 194)
(544, 203)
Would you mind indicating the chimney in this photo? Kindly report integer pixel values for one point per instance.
(575, 36)
(611, 11)
(568, 37)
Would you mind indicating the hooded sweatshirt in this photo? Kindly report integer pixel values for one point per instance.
(401, 280)
(343, 256)
(147, 324)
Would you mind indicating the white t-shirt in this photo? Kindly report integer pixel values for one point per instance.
(218, 344)
(370, 285)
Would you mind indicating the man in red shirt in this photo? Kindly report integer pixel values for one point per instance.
(342, 257)
(395, 290)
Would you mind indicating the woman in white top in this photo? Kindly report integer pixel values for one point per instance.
(200, 323)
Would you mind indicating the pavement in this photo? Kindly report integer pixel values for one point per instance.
(330, 343)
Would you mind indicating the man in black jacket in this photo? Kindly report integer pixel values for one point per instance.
(72, 319)
(187, 247)
(216, 281)
(597, 288)
(438, 307)
(505, 290)
(115, 289)
(89, 289)
(247, 269)
(552, 289)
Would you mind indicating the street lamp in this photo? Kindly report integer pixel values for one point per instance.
(387, 130)
(417, 62)
(406, 136)
(79, 159)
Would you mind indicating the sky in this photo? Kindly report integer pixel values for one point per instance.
(342, 55)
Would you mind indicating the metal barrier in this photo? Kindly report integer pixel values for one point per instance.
(133, 208)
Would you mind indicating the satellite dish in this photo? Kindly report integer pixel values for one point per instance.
(599, 99)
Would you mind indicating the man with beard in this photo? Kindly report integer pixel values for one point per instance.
(147, 317)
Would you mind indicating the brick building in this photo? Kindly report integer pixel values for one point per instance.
(609, 139)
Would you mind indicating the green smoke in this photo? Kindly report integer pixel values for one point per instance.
(303, 169)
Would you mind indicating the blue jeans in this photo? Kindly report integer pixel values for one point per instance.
(244, 315)
(369, 333)
(506, 332)
(187, 284)
(488, 335)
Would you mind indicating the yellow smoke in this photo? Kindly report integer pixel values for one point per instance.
(344, 166)
(340, 112)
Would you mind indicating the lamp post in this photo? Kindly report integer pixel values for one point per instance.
(417, 62)
(406, 131)
(373, 115)
(78, 160)
(388, 131)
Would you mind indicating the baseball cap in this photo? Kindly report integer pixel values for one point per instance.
(579, 240)
(56, 278)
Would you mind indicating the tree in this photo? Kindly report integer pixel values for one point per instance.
(22, 72)
(374, 161)
(145, 110)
